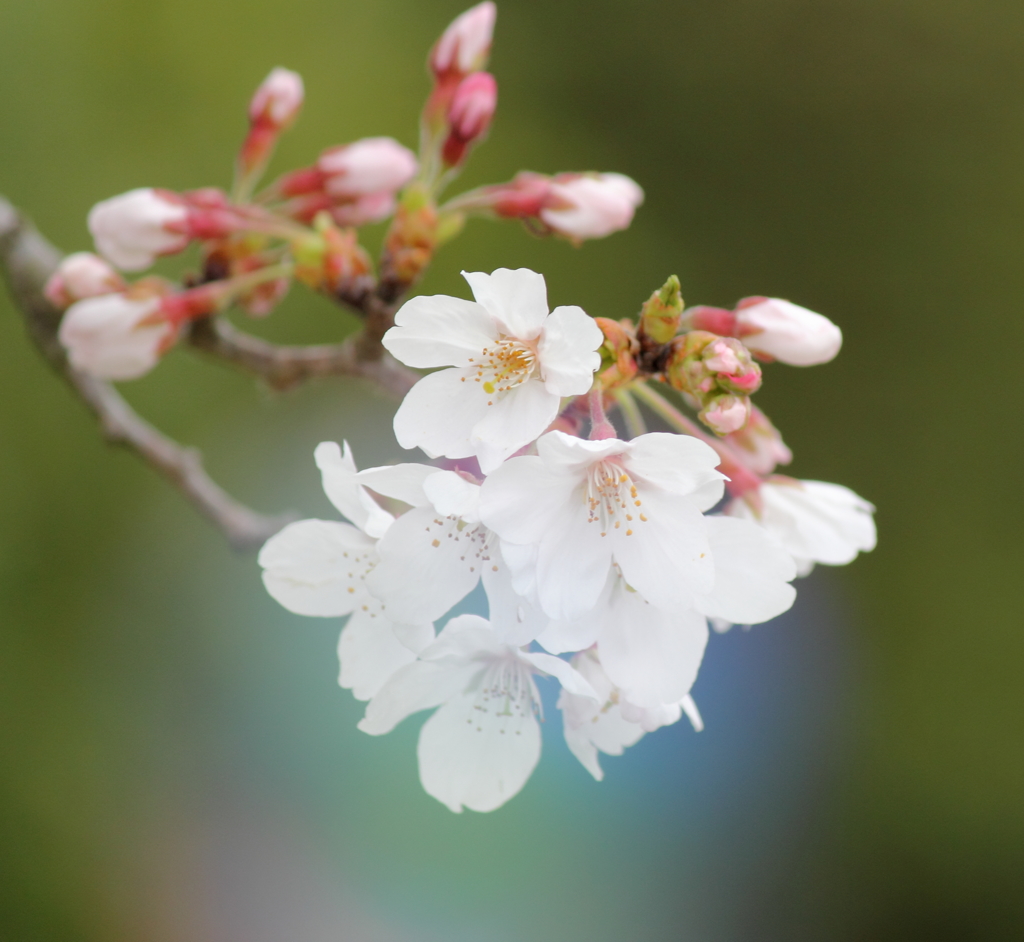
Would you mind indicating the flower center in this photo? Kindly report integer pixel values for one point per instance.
(508, 689)
(505, 364)
(612, 500)
(475, 542)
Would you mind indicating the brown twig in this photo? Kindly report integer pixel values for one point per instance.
(29, 260)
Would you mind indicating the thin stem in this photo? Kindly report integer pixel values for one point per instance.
(741, 479)
(634, 420)
(600, 427)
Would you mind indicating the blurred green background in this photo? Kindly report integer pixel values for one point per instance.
(175, 760)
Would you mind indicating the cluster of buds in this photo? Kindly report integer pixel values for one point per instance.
(463, 99)
(303, 226)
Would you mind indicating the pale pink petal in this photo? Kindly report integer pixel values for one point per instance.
(679, 464)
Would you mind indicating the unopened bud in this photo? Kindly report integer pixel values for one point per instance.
(132, 229)
(469, 116)
(717, 372)
(278, 100)
(576, 206)
(79, 276)
(618, 353)
(371, 165)
(780, 330)
(466, 43)
(411, 239)
(590, 205)
(759, 445)
(115, 336)
(725, 413)
(661, 313)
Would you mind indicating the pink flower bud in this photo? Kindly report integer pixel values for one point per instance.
(132, 229)
(278, 99)
(116, 337)
(364, 209)
(82, 275)
(591, 206)
(372, 165)
(470, 115)
(726, 413)
(779, 330)
(759, 445)
(466, 43)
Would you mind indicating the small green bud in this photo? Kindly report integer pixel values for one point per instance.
(661, 313)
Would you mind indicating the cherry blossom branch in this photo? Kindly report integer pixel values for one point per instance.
(283, 367)
(28, 260)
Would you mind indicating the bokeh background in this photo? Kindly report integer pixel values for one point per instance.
(176, 762)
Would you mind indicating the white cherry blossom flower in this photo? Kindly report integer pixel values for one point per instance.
(480, 747)
(653, 655)
(511, 363)
(587, 505)
(611, 723)
(116, 337)
(320, 567)
(435, 554)
(814, 521)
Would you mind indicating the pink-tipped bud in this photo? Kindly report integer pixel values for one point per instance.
(779, 330)
(115, 336)
(759, 445)
(79, 276)
(372, 165)
(730, 361)
(469, 116)
(364, 209)
(725, 413)
(591, 205)
(278, 100)
(466, 44)
(132, 229)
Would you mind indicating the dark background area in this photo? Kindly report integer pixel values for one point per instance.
(175, 760)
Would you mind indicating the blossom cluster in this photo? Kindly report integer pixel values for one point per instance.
(604, 559)
(607, 553)
(305, 225)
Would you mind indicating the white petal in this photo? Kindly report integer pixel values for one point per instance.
(403, 482)
(514, 618)
(752, 573)
(439, 331)
(438, 414)
(369, 651)
(679, 464)
(417, 686)
(338, 474)
(563, 671)
(568, 351)
(562, 636)
(426, 566)
(318, 567)
(667, 557)
(453, 496)
(515, 419)
(518, 298)
(651, 655)
(478, 752)
(607, 730)
(567, 454)
(519, 499)
(572, 565)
